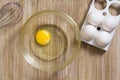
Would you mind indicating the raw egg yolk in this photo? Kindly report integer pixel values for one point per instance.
(43, 37)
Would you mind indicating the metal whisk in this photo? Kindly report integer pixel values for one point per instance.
(10, 14)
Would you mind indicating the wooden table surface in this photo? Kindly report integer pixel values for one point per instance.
(90, 64)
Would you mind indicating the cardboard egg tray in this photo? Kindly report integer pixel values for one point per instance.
(105, 12)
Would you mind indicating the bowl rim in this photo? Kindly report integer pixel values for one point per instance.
(27, 57)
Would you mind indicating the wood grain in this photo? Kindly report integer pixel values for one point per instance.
(90, 64)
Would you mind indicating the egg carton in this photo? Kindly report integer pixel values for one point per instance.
(99, 26)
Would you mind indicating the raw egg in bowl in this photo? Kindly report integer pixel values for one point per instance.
(49, 40)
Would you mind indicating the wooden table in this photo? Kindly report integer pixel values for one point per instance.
(90, 64)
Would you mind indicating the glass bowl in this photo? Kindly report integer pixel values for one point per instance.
(63, 46)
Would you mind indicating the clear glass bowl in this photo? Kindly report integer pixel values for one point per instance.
(63, 46)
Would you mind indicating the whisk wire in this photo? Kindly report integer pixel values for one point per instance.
(10, 14)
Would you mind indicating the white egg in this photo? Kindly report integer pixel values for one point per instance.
(110, 23)
(95, 18)
(103, 38)
(89, 32)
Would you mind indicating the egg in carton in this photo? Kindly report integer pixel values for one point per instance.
(99, 26)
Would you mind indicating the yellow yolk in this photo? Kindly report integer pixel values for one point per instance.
(43, 37)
